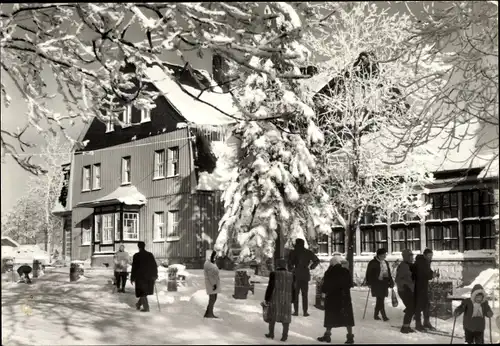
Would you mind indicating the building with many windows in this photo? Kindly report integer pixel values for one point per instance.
(462, 225)
(139, 181)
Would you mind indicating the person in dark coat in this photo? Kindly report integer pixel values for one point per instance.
(379, 278)
(475, 309)
(423, 273)
(144, 274)
(279, 295)
(301, 261)
(24, 273)
(337, 286)
(406, 287)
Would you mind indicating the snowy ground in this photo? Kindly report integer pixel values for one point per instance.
(53, 311)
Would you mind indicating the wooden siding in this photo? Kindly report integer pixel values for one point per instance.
(79, 251)
(198, 225)
(164, 118)
(141, 153)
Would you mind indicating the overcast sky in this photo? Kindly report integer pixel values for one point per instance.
(13, 177)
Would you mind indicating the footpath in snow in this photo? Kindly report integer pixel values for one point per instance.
(54, 311)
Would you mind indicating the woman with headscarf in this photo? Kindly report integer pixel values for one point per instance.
(379, 278)
(337, 285)
(278, 298)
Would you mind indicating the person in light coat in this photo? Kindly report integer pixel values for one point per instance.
(212, 284)
(121, 261)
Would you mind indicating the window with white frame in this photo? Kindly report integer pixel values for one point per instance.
(145, 115)
(126, 170)
(110, 126)
(97, 228)
(159, 226)
(96, 176)
(86, 232)
(108, 228)
(173, 223)
(127, 115)
(117, 227)
(130, 226)
(322, 242)
(86, 178)
(159, 171)
(173, 161)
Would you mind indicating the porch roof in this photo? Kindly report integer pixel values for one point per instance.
(124, 194)
(8, 241)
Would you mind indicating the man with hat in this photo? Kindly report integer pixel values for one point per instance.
(406, 286)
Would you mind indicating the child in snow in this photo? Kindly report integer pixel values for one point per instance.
(24, 273)
(475, 309)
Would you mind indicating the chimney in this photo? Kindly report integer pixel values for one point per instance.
(220, 70)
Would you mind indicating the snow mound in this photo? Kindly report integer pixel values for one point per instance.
(488, 279)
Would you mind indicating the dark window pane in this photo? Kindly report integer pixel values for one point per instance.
(454, 199)
(323, 248)
(466, 197)
(446, 200)
(398, 246)
(475, 197)
(414, 245)
(475, 211)
(454, 212)
(446, 213)
(436, 201)
(468, 231)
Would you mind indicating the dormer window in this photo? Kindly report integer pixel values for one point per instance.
(110, 127)
(145, 115)
(127, 115)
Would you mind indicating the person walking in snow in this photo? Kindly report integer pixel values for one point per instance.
(379, 279)
(337, 286)
(121, 260)
(423, 273)
(301, 261)
(144, 275)
(406, 287)
(279, 296)
(24, 273)
(475, 309)
(212, 284)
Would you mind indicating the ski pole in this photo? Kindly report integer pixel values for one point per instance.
(366, 304)
(491, 337)
(453, 330)
(157, 299)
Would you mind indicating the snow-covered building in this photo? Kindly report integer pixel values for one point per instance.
(460, 229)
(139, 181)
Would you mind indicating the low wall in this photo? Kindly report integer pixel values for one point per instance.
(461, 271)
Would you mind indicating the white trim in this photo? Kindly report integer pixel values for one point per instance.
(156, 218)
(127, 116)
(110, 126)
(159, 164)
(172, 239)
(170, 224)
(143, 118)
(124, 171)
(93, 176)
(136, 224)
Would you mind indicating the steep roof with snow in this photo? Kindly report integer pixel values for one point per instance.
(197, 106)
(187, 96)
